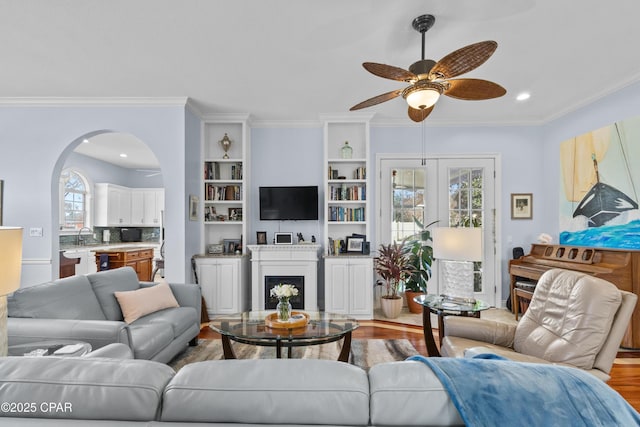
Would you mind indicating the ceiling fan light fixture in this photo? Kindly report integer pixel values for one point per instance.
(422, 95)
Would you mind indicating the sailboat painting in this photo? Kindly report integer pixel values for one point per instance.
(600, 181)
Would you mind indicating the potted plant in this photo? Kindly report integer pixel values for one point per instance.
(393, 266)
(420, 252)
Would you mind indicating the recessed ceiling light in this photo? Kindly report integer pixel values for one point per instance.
(123, 155)
(523, 96)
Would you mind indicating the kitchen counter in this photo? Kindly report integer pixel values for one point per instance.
(95, 246)
(123, 248)
(139, 257)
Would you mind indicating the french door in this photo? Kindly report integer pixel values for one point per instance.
(456, 192)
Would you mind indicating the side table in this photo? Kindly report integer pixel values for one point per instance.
(62, 348)
(444, 307)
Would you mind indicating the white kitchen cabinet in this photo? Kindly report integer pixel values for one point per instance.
(147, 205)
(112, 205)
(223, 282)
(153, 207)
(349, 285)
(122, 206)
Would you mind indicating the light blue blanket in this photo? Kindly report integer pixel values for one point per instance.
(505, 393)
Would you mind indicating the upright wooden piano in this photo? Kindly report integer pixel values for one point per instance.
(620, 267)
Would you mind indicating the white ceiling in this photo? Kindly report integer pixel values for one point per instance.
(291, 60)
(122, 149)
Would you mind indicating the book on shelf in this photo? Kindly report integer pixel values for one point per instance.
(342, 214)
(360, 173)
(344, 192)
(236, 171)
(214, 192)
(211, 170)
(334, 246)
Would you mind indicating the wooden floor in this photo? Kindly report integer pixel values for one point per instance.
(625, 375)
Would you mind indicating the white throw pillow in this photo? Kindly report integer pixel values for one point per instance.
(143, 301)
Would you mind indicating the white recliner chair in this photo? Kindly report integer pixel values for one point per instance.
(573, 319)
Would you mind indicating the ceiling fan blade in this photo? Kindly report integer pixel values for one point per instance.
(389, 72)
(419, 115)
(376, 100)
(474, 89)
(464, 59)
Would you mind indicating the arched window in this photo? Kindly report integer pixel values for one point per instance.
(75, 199)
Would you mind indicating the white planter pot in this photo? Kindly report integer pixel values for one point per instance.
(391, 308)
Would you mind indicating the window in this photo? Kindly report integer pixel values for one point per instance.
(466, 206)
(75, 197)
(407, 186)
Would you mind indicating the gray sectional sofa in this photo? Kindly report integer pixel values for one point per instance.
(296, 392)
(84, 308)
(37, 391)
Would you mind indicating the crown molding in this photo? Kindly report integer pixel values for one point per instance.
(180, 101)
(286, 124)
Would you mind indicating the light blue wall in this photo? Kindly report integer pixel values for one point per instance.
(193, 230)
(619, 106)
(286, 157)
(36, 141)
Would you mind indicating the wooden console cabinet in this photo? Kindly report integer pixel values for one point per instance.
(139, 258)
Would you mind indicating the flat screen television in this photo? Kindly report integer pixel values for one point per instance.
(289, 203)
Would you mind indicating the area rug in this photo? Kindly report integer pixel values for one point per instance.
(364, 353)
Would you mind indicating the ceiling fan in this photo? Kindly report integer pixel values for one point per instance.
(429, 79)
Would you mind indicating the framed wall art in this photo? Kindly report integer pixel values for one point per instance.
(521, 206)
(193, 207)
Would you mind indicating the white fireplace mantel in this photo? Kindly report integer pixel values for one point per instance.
(284, 260)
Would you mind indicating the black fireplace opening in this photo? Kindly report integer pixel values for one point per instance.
(271, 282)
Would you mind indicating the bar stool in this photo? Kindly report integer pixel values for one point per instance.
(159, 263)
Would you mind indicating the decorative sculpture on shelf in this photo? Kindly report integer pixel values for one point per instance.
(225, 142)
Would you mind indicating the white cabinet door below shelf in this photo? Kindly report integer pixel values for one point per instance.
(337, 287)
(361, 289)
(227, 288)
(349, 286)
(221, 283)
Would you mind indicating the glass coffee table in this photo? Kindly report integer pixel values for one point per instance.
(442, 306)
(252, 327)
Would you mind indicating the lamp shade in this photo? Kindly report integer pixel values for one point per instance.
(422, 98)
(10, 259)
(457, 244)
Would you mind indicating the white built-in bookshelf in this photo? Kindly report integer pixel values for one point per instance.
(225, 180)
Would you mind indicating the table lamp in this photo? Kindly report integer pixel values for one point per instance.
(10, 268)
(455, 249)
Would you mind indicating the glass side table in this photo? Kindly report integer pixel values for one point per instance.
(442, 306)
